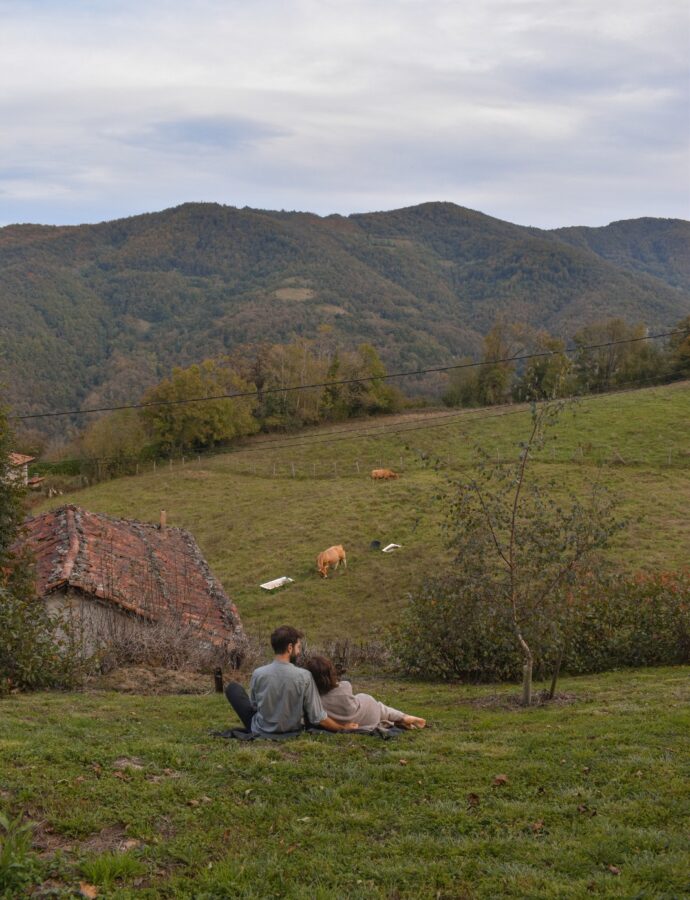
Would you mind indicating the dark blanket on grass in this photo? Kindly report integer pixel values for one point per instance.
(239, 734)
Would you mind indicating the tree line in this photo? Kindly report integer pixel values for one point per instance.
(284, 387)
(267, 374)
(627, 360)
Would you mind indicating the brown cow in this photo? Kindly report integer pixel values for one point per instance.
(331, 557)
(383, 473)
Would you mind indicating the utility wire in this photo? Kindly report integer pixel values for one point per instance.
(323, 384)
(383, 429)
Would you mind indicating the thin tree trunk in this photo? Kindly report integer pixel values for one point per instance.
(556, 673)
(527, 683)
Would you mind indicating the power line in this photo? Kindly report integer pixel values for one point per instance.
(381, 430)
(346, 381)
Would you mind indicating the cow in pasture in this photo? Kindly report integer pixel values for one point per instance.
(331, 557)
(379, 474)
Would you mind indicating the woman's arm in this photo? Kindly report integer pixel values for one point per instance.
(331, 725)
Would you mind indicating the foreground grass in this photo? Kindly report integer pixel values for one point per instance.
(254, 525)
(132, 795)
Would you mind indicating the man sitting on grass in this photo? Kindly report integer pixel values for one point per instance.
(280, 694)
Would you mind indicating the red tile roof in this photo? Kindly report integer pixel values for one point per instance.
(153, 573)
(19, 459)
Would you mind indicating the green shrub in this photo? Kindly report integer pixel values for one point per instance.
(641, 621)
(606, 623)
(18, 866)
(35, 648)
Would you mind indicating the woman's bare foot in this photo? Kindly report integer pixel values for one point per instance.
(413, 722)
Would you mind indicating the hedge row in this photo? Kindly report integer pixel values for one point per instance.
(601, 624)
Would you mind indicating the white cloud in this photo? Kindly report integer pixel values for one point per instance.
(546, 112)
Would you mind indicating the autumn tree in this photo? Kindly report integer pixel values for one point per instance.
(491, 382)
(116, 439)
(612, 353)
(679, 350)
(549, 374)
(189, 410)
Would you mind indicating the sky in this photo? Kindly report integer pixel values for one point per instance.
(541, 112)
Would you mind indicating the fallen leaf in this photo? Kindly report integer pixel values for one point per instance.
(88, 890)
(130, 844)
(500, 780)
(473, 800)
(537, 827)
(403, 762)
(614, 870)
(128, 762)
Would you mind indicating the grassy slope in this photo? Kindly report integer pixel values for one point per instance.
(253, 525)
(593, 784)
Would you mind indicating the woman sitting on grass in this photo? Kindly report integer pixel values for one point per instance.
(344, 706)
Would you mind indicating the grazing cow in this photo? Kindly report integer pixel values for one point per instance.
(378, 474)
(331, 557)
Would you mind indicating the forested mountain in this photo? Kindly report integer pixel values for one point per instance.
(657, 247)
(97, 313)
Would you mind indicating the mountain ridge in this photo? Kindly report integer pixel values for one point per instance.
(94, 312)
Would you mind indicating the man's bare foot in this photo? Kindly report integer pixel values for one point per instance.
(413, 722)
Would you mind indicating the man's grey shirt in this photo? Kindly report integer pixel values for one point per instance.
(281, 694)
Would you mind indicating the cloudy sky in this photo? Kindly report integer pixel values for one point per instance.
(542, 112)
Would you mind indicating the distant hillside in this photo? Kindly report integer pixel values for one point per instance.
(96, 313)
(658, 247)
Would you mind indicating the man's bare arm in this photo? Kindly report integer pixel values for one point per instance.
(331, 725)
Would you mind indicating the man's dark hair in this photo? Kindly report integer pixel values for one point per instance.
(283, 636)
(323, 672)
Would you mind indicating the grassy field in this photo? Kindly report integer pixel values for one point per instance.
(130, 794)
(267, 509)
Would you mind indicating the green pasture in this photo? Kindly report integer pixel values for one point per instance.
(132, 796)
(268, 508)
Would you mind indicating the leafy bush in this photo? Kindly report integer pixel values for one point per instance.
(641, 621)
(608, 622)
(35, 648)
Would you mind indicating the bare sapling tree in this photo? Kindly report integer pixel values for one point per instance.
(522, 539)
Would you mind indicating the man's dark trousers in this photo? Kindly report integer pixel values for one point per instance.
(240, 702)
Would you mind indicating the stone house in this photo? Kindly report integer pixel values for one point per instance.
(115, 576)
(18, 467)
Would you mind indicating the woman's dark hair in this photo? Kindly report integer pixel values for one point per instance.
(323, 672)
(284, 636)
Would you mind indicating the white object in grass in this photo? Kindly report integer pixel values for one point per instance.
(276, 583)
(390, 548)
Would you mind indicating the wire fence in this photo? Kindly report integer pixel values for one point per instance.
(586, 455)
